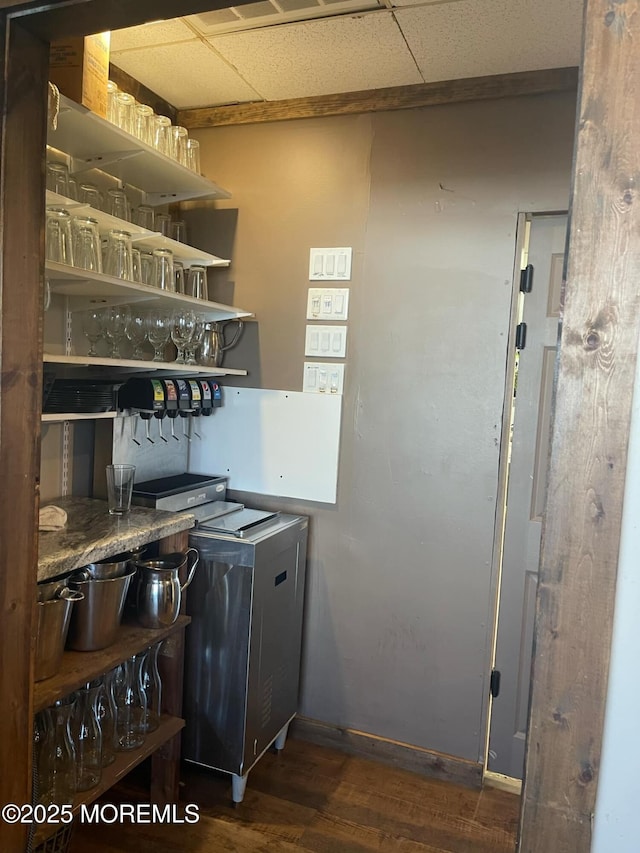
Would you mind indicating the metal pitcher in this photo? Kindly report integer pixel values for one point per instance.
(214, 345)
(159, 590)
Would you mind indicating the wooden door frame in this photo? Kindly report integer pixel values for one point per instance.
(587, 469)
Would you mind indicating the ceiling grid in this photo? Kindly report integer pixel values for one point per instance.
(280, 49)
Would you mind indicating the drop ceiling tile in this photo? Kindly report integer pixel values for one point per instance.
(472, 38)
(187, 75)
(321, 57)
(162, 32)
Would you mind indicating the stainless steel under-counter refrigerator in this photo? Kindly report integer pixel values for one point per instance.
(242, 662)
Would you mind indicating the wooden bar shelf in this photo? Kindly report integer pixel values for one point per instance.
(124, 763)
(79, 667)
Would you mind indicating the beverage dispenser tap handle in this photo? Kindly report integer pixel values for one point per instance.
(134, 424)
(146, 417)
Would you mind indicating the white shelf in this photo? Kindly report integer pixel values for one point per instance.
(94, 143)
(188, 255)
(142, 237)
(87, 289)
(169, 368)
(48, 418)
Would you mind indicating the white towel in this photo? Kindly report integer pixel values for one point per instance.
(52, 518)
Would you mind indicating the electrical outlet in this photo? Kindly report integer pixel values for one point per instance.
(330, 303)
(326, 341)
(333, 264)
(323, 378)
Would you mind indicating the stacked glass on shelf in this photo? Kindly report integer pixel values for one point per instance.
(113, 200)
(140, 121)
(78, 736)
(109, 328)
(76, 241)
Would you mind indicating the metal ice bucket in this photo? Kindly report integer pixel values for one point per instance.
(94, 624)
(55, 605)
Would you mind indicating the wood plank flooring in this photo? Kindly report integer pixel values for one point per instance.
(316, 799)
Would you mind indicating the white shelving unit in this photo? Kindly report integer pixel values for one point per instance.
(87, 289)
(91, 142)
(141, 237)
(78, 416)
(94, 143)
(130, 365)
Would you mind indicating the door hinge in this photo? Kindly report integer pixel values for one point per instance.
(521, 336)
(526, 279)
(494, 684)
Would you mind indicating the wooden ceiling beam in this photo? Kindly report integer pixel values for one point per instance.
(392, 98)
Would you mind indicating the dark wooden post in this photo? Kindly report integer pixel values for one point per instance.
(22, 135)
(597, 363)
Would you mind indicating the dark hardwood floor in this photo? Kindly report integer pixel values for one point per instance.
(311, 798)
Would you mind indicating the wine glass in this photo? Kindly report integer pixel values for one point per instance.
(136, 332)
(158, 328)
(183, 325)
(93, 327)
(115, 324)
(195, 340)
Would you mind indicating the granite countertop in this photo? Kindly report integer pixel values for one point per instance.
(92, 534)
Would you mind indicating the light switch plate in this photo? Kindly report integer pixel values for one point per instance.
(333, 264)
(328, 303)
(323, 378)
(326, 341)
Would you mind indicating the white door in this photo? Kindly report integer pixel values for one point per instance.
(527, 480)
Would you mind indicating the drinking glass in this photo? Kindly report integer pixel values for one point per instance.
(144, 216)
(117, 204)
(183, 325)
(112, 91)
(73, 188)
(135, 264)
(124, 108)
(158, 328)
(163, 223)
(197, 282)
(193, 155)
(136, 332)
(115, 325)
(119, 488)
(131, 704)
(86, 243)
(42, 749)
(178, 271)
(142, 118)
(58, 236)
(163, 275)
(146, 268)
(58, 178)
(195, 340)
(107, 717)
(62, 768)
(47, 295)
(161, 130)
(87, 736)
(179, 136)
(179, 230)
(93, 327)
(152, 686)
(90, 194)
(118, 258)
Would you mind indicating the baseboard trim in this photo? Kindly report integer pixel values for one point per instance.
(435, 765)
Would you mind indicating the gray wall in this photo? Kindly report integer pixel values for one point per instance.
(399, 605)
